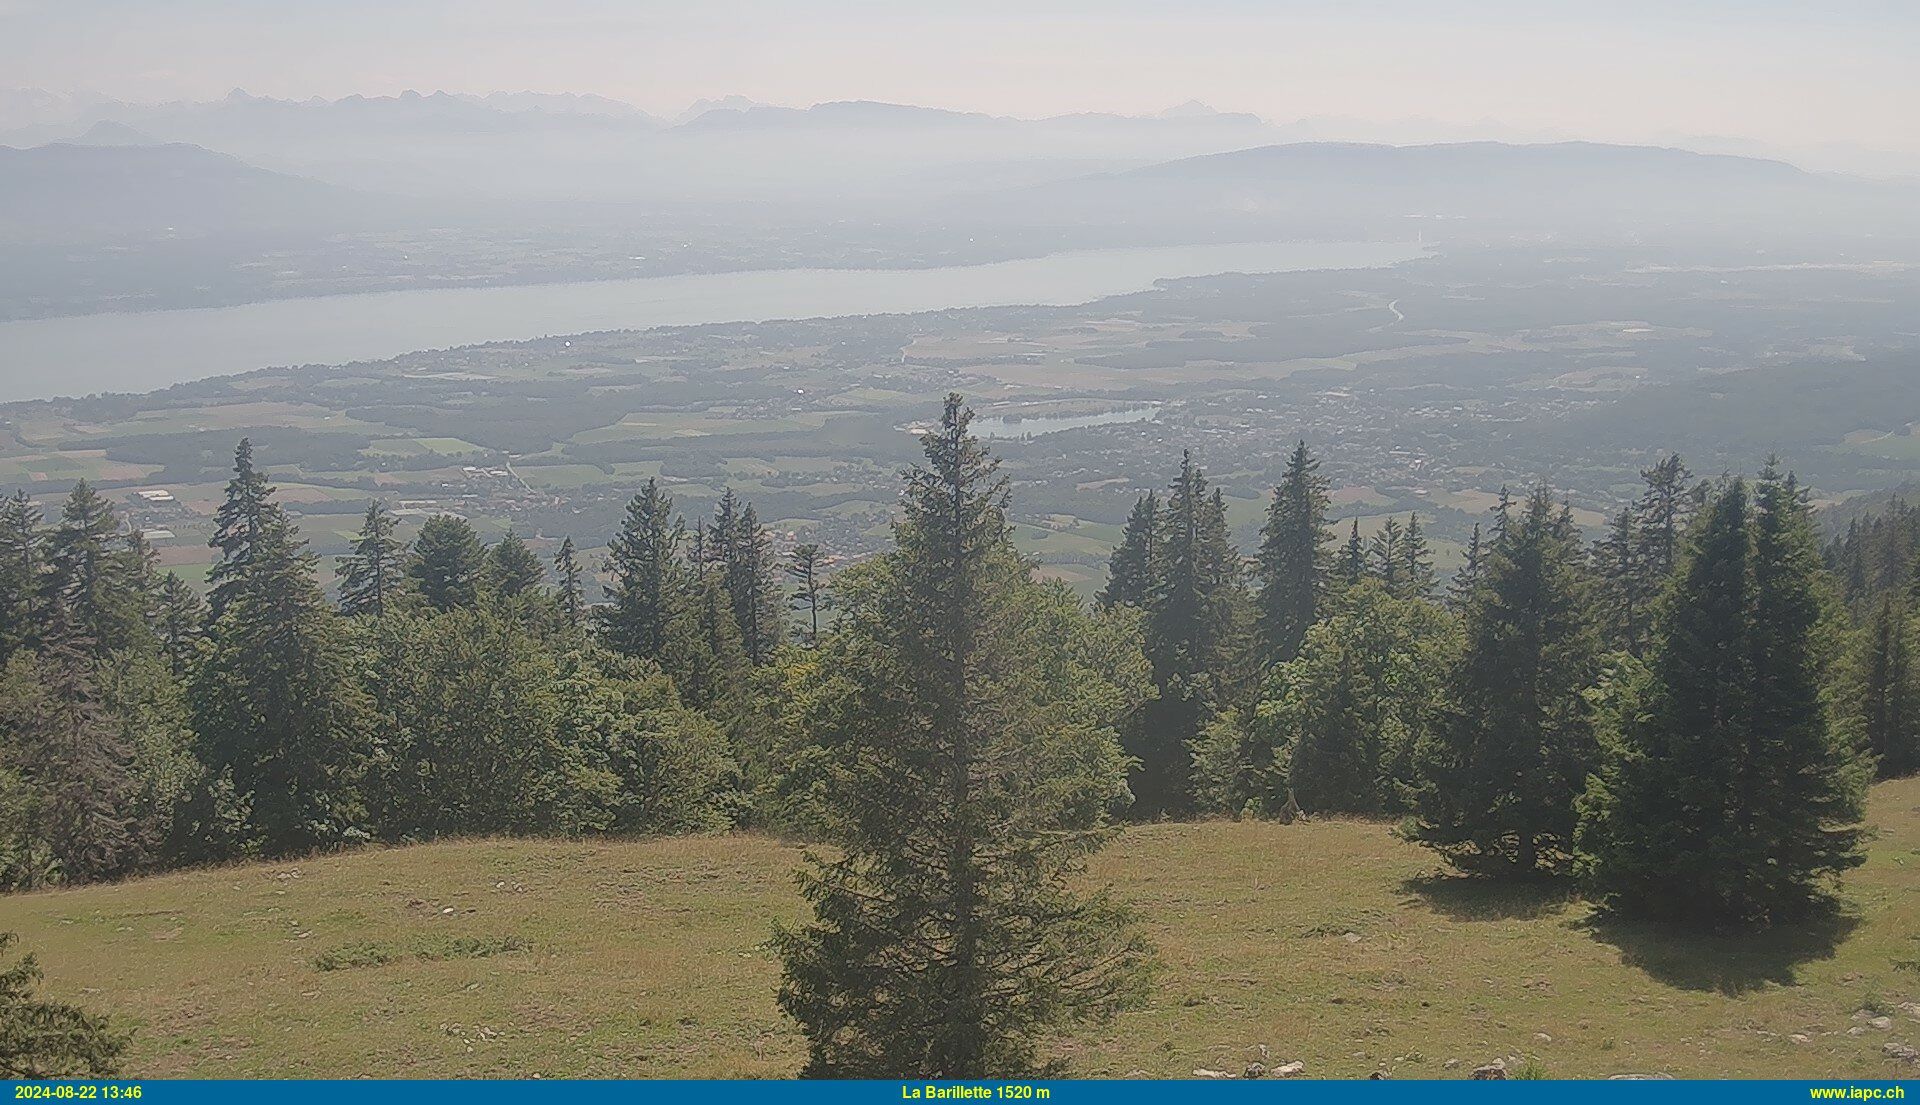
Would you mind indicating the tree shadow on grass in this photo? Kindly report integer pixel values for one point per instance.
(1727, 963)
(1482, 898)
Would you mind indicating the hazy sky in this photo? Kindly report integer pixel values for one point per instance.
(1790, 71)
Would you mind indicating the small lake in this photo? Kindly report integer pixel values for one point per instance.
(135, 352)
(1034, 425)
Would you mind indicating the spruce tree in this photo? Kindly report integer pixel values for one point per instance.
(1623, 603)
(972, 779)
(566, 565)
(278, 714)
(1417, 578)
(446, 564)
(1196, 629)
(806, 569)
(1130, 571)
(1352, 566)
(56, 733)
(22, 565)
(742, 549)
(372, 575)
(1460, 589)
(95, 575)
(42, 1039)
(643, 559)
(1387, 554)
(1292, 564)
(1498, 773)
(245, 514)
(1880, 689)
(511, 569)
(1727, 798)
(181, 624)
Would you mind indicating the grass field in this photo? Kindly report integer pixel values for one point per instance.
(1328, 942)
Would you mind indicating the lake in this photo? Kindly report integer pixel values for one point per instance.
(83, 354)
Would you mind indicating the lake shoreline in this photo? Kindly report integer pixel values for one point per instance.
(146, 351)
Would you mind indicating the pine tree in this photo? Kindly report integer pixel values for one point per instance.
(446, 564)
(644, 561)
(1197, 615)
(1472, 570)
(371, 576)
(247, 512)
(1727, 798)
(511, 568)
(566, 564)
(1130, 572)
(95, 575)
(946, 939)
(1292, 564)
(181, 624)
(806, 569)
(22, 565)
(1500, 770)
(1417, 578)
(277, 712)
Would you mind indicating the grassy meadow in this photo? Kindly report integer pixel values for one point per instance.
(1330, 942)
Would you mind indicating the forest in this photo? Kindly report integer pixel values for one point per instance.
(1681, 717)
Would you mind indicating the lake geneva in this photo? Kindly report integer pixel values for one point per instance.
(83, 354)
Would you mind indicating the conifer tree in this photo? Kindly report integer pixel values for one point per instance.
(42, 1039)
(247, 511)
(643, 559)
(566, 564)
(371, 576)
(55, 732)
(95, 575)
(1472, 570)
(1292, 564)
(181, 624)
(743, 551)
(278, 715)
(1130, 571)
(446, 564)
(703, 651)
(972, 779)
(1879, 690)
(1623, 603)
(1196, 641)
(805, 567)
(511, 568)
(1417, 579)
(1727, 798)
(1352, 567)
(1388, 556)
(1500, 770)
(22, 565)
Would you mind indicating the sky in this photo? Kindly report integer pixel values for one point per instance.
(1784, 71)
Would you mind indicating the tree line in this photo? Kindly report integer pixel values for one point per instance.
(1684, 713)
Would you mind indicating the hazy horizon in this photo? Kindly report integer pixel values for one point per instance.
(1769, 72)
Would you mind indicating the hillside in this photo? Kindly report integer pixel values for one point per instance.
(1464, 187)
(74, 191)
(1329, 942)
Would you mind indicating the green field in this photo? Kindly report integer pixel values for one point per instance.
(1328, 942)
